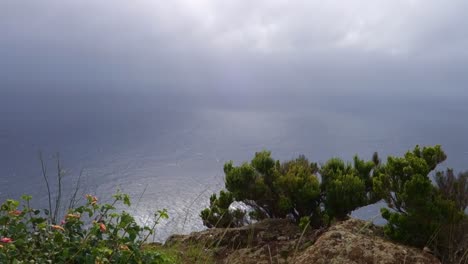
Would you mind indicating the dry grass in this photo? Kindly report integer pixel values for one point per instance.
(196, 254)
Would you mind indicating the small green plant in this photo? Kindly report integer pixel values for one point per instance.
(304, 222)
(218, 214)
(91, 233)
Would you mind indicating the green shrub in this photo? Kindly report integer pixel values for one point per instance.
(274, 189)
(344, 194)
(291, 188)
(346, 187)
(417, 209)
(92, 233)
(298, 188)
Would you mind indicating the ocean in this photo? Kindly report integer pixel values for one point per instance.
(168, 151)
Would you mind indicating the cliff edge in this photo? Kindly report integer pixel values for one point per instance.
(280, 241)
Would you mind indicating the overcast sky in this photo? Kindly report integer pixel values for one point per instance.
(403, 47)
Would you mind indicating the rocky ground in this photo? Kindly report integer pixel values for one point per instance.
(280, 241)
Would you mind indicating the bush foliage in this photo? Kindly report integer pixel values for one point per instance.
(91, 233)
(292, 189)
(417, 208)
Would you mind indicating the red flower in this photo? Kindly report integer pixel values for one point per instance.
(6, 240)
(103, 227)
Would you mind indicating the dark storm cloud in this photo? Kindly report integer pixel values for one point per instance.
(235, 47)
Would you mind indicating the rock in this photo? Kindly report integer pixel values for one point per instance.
(428, 250)
(281, 238)
(281, 241)
(354, 247)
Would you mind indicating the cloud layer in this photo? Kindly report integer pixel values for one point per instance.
(236, 46)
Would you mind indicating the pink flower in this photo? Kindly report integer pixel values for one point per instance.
(15, 213)
(75, 216)
(57, 227)
(103, 227)
(124, 247)
(6, 240)
(92, 199)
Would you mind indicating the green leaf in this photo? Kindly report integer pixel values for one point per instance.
(163, 214)
(26, 197)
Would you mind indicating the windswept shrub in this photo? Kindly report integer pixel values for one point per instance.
(277, 190)
(344, 194)
(298, 188)
(418, 210)
(92, 233)
(292, 189)
(346, 187)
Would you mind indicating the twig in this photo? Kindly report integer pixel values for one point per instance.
(59, 194)
(75, 193)
(269, 253)
(44, 174)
